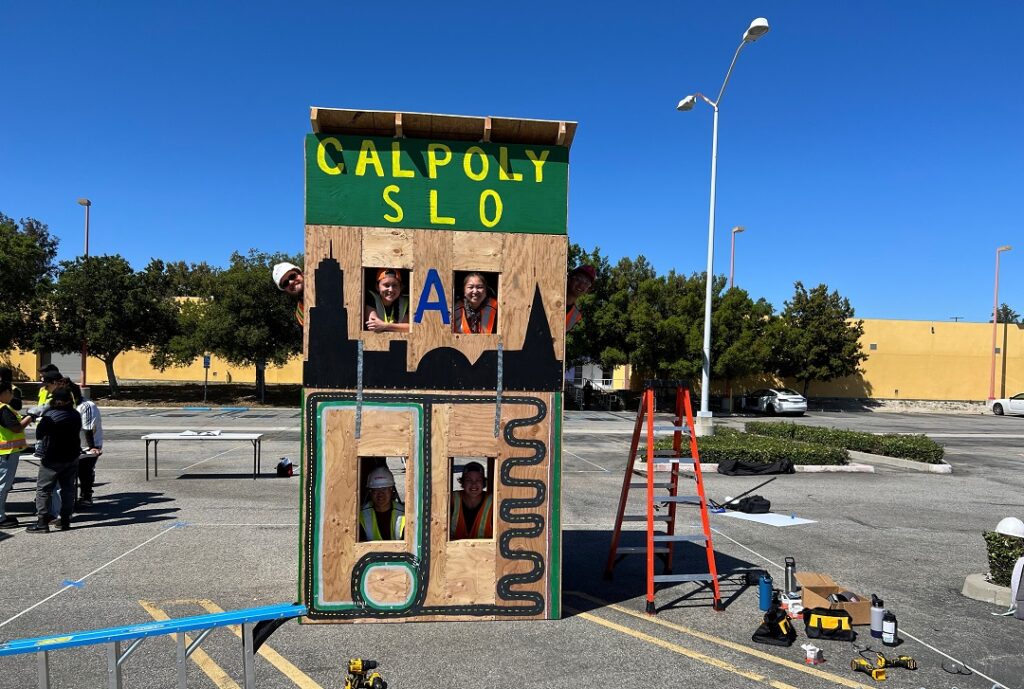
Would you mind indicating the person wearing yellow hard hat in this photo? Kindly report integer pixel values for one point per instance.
(289, 279)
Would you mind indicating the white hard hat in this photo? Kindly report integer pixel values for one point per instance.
(381, 477)
(282, 269)
(1010, 526)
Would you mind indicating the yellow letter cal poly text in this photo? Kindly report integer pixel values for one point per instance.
(396, 161)
(399, 213)
(435, 161)
(434, 217)
(368, 156)
(321, 156)
(504, 169)
(490, 222)
(538, 163)
(467, 164)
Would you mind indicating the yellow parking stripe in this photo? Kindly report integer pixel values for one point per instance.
(808, 669)
(715, 662)
(205, 662)
(289, 670)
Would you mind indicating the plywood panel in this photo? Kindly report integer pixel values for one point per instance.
(470, 574)
(478, 251)
(340, 509)
(344, 244)
(388, 584)
(433, 250)
(439, 492)
(387, 248)
(472, 431)
(385, 434)
(531, 261)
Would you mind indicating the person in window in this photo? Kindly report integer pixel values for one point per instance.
(476, 311)
(387, 309)
(472, 507)
(289, 279)
(382, 517)
(581, 279)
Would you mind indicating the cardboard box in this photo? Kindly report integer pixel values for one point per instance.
(816, 589)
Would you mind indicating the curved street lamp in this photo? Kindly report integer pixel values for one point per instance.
(759, 27)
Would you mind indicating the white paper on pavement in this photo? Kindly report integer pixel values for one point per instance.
(768, 518)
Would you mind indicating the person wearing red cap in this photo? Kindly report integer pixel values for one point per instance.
(289, 279)
(387, 309)
(581, 279)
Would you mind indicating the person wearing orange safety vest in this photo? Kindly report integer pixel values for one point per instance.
(580, 281)
(12, 442)
(289, 279)
(475, 311)
(382, 517)
(472, 508)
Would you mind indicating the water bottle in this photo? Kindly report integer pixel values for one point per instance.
(764, 591)
(877, 613)
(890, 633)
(790, 579)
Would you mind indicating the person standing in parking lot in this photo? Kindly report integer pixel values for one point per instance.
(92, 448)
(58, 430)
(12, 443)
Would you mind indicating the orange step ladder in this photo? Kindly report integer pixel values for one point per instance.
(662, 543)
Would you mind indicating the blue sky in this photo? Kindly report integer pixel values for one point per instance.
(872, 146)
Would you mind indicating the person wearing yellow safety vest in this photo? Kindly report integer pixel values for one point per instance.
(472, 508)
(387, 309)
(12, 442)
(580, 281)
(382, 517)
(476, 311)
(289, 279)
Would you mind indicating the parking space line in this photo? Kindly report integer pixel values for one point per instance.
(300, 678)
(202, 461)
(675, 648)
(568, 452)
(210, 668)
(807, 669)
(74, 583)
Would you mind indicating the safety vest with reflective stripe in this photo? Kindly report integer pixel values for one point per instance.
(300, 313)
(488, 316)
(11, 441)
(481, 527)
(382, 311)
(368, 520)
(572, 317)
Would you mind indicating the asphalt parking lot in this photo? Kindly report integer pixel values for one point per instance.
(205, 536)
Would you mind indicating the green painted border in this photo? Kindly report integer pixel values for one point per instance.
(555, 523)
(315, 560)
(303, 473)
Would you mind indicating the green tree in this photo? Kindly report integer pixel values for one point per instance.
(191, 279)
(740, 345)
(586, 342)
(815, 338)
(245, 320)
(102, 300)
(27, 268)
(1004, 314)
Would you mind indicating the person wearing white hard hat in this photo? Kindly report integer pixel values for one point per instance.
(289, 279)
(382, 517)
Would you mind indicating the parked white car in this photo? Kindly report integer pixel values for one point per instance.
(776, 401)
(1011, 405)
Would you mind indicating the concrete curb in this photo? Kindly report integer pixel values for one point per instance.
(898, 463)
(978, 588)
(852, 468)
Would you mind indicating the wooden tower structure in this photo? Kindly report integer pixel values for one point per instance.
(433, 197)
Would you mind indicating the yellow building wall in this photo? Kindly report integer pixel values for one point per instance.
(928, 360)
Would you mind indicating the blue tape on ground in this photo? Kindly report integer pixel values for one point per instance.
(178, 525)
(76, 584)
(197, 408)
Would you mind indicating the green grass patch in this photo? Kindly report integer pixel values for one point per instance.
(918, 448)
(729, 444)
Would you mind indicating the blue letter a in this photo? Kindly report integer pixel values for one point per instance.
(432, 283)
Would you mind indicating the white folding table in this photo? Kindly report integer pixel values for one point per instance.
(255, 438)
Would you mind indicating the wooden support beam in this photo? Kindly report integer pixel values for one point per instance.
(561, 134)
(398, 126)
(487, 130)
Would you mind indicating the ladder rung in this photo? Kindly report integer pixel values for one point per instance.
(637, 549)
(687, 499)
(672, 429)
(643, 518)
(676, 538)
(665, 578)
(643, 484)
(671, 460)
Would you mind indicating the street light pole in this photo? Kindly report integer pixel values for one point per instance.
(85, 345)
(995, 326)
(758, 27)
(732, 252)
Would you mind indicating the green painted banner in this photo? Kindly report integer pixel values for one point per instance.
(444, 185)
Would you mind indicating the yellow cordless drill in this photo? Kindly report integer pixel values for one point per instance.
(861, 665)
(898, 661)
(361, 677)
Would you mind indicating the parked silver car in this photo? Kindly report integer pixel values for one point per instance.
(1008, 405)
(775, 401)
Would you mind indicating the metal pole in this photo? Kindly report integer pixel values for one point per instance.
(85, 345)
(732, 257)
(705, 376)
(995, 319)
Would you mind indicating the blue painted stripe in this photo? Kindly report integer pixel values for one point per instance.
(197, 408)
(156, 628)
(233, 408)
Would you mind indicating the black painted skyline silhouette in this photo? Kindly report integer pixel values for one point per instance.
(332, 356)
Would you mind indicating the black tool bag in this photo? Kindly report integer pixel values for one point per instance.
(753, 504)
(776, 629)
(739, 467)
(825, 623)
